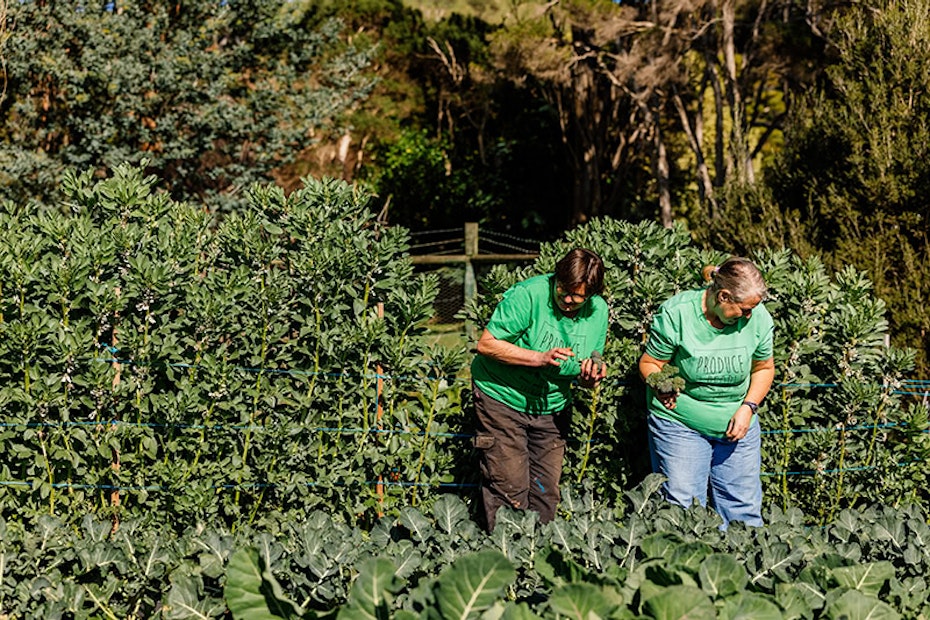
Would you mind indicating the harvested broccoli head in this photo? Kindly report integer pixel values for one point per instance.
(666, 380)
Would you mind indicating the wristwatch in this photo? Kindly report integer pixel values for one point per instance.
(752, 405)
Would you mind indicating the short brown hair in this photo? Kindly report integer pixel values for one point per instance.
(581, 266)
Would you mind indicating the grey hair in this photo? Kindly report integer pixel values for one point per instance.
(739, 276)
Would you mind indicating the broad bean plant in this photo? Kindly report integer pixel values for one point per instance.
(159, 363)
(156, 362)
(840, 427)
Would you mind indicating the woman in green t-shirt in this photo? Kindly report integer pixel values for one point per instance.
(547, 331)
(705, 437)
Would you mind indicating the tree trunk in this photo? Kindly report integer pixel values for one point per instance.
(662, 179)
(585, 117)
(720, 144)
(703, 174)
(738, 147)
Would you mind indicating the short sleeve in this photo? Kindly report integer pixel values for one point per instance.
(662, 335)
(511, 317)
(764, 349)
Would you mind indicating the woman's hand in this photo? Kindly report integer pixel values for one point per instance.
(760, 380)
(554, 357)
(592, 372)
(509, 353)
(649, 365)
(739, 423)
(668, 399)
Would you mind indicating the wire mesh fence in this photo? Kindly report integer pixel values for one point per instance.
(459, 257)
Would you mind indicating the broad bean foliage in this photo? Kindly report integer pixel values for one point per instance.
(839, 427)
(157, 363)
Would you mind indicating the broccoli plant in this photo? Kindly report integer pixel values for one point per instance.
(666, 380)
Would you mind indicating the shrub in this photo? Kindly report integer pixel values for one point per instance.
(157, 363)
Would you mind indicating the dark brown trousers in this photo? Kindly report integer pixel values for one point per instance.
(521, 458)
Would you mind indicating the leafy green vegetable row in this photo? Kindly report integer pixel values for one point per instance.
(642, 559)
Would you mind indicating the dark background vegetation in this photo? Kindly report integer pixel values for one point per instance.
(757, 123)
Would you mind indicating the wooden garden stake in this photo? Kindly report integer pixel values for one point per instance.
(379, 390)
(114, 465)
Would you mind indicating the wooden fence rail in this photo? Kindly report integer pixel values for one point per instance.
(471, 256)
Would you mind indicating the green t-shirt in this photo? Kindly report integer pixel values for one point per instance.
(528, 317)
(715, 363)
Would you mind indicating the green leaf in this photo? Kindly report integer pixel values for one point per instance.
(272, 229)
(251, 592)
(660, 544)
(680, 603)
(472, 583)
(800, 599)
(721, 575)
(558, 570)
(857, 606)
(369, 598)
(777, 558)
(749, 606)
(866, 578)
(420, 527)
(645, 491)
(185, 600)
(582, 601)
(689, 555)
(449, 512)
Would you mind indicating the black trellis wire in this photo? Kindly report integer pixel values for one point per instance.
(921, 386)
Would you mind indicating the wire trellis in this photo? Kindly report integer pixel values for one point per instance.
(396, 431)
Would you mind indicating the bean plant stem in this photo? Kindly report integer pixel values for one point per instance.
(258, 386)
(840, 478)
(870, 453)
(426, 435)
(873, 438)
(200, 444)
(316, 361)
(106, 610)
(49, 474)
(261, 495)
(595, 393)
(786, 447)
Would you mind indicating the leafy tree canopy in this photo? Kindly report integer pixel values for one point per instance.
(855, 172)
(213, 94)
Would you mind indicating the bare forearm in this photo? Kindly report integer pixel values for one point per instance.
(649, 365)
(760, 380)
(507, 352)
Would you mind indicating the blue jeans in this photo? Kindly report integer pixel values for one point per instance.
(696, 464)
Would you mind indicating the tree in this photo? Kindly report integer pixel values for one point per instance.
(558, 50)
(443, 139)
(634, 85)
(855, 171)
(214, 95)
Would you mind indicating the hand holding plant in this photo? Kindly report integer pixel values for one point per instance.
(593, 370)
(667, 385)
